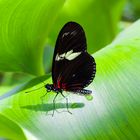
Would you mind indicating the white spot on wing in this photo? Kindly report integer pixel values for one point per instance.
(57, 57)
(73, 75)
(69, 55)
(73, 55)
(65, 34)
(74, 33)
(62, 55)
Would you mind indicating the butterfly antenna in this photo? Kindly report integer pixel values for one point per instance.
(42, 81)
(54, 107)
(33, 89)
(37, 88)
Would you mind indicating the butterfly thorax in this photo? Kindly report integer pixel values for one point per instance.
(50, 87)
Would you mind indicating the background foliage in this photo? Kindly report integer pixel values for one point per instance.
(28, 30)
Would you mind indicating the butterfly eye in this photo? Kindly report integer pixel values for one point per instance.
(48, 87)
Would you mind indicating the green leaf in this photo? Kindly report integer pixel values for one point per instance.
(24, 28)
(10, 130)
(99, 19)
(112, 114)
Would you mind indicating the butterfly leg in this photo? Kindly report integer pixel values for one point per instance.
(66, 102)
(43, 97)
(54, 107)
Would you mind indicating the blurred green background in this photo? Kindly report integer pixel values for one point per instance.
(28, 31)
(101, 20)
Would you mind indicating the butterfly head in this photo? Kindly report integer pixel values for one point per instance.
(49, 87)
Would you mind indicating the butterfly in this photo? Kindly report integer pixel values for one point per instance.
(73, 68)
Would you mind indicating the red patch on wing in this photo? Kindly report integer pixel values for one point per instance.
(64, 86)
(58, 82)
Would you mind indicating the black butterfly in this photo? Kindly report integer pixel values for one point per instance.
(73, 68)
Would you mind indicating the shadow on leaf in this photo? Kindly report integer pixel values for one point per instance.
(50, 106)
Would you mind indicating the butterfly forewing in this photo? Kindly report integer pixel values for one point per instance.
(71, 37)
(73, 68)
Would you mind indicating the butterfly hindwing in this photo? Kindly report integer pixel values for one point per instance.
(78, 73)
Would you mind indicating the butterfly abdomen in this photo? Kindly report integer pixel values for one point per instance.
(83, 92)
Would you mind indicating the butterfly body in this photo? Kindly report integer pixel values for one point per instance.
(51, 87)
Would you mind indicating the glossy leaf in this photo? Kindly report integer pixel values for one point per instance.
(10, 130)
(112, 114)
